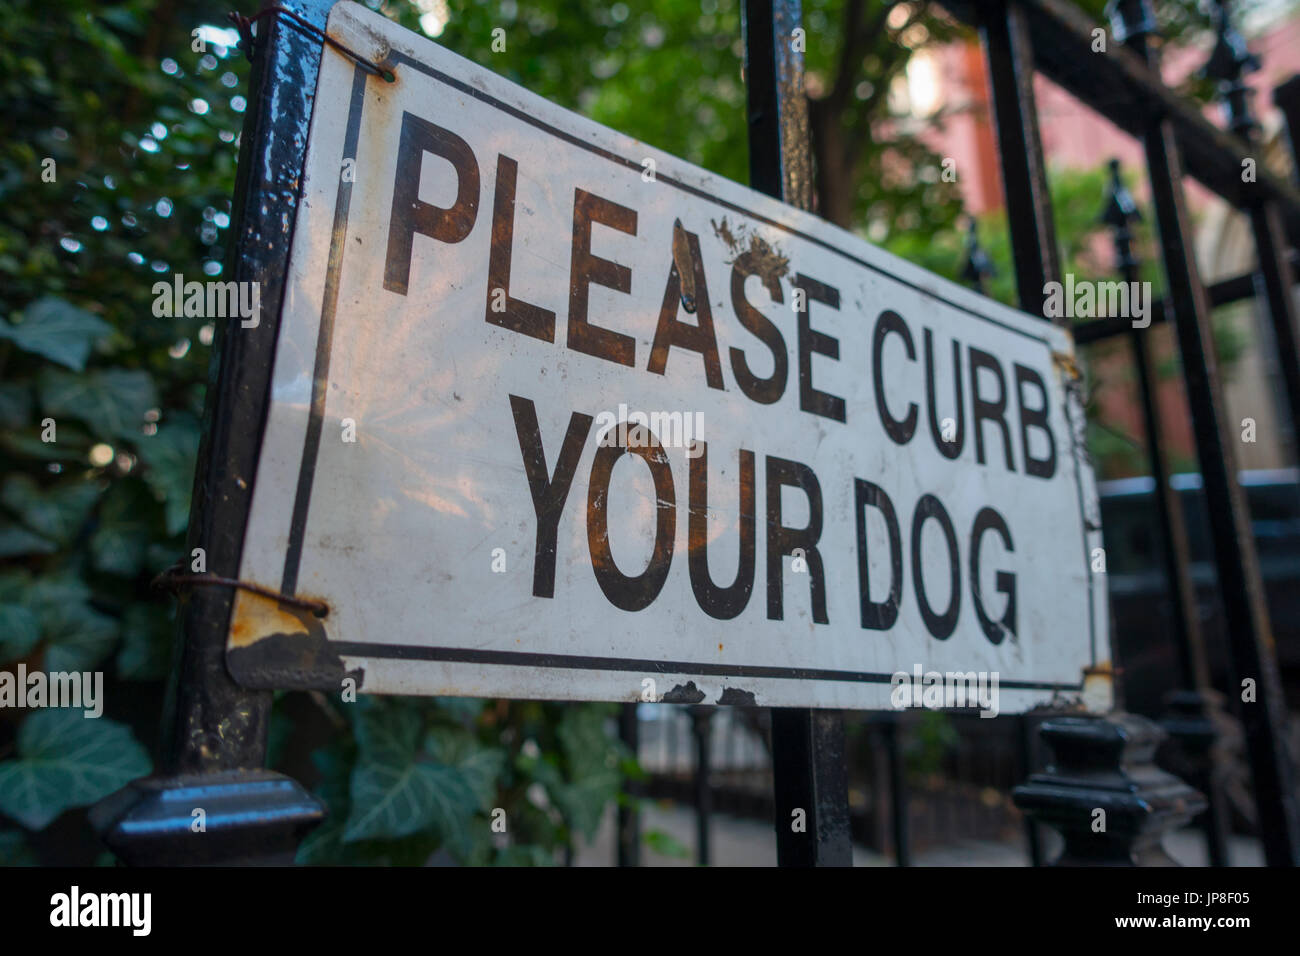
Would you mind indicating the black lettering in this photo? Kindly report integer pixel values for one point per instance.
(1035, 418)
(810, 341)
(942, 625)
(765, 391)
(697, 338)
(719, 602)
(585, 268)
(949, 449)
(982, 410)
(549, 493)
(518, 316)
(782, 540)
(878, 616)
(1006, 581)
(410, 214)
(900, 430)
(631, 592)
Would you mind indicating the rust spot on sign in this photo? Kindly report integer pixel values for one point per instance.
(685, 266)
(276, 646)
(256, 617)
(1066, 365)
(758, 259)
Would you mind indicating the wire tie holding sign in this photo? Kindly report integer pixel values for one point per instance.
(247, 40)
(175, 578)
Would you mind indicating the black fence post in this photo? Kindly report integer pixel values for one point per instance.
(808, 766)
(213, 761)
(1103, 793)
(1190, 726)
(702, 730)
(1020, 151)
(1249, 634)
(1025, 731)
(899, 810)
(1229, 62)
(1286, 97)
(629, 818)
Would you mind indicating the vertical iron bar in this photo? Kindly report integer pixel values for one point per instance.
(1229, 63)
(1025, 730)
(1020, 150)
(1286, 97)
(702, 728)
(212, 724)
(901, 829)
(1192, 731)
(1249, 634)
(1278, 282)
(629, 819)
(808, 768)
(215, 732)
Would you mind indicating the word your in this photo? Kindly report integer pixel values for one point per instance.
(103, 909)
(639, 430)
(935, 691)
(57, 689)
(1086, 300)
(208, 300)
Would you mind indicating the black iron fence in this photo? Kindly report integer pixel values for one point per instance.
(220, 729)
(1208, 541)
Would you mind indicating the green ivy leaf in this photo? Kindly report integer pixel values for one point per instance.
(66, 760)
(56, 513)
(170, 455)
(481, 766)
(77, 637)
(58, 330)
(15, 405)
(593, 777)
(121, 541)
(392, 793)
(16, 541)
(19, 632)
(146, 643)
(112, 402)
(583, 801)
(395, 800)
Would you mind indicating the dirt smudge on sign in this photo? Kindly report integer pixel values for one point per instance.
(764, 261)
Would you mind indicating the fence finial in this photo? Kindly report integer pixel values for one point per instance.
(1131, 20)
(1230, 61)
(1119, 212)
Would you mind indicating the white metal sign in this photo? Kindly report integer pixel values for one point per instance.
(557, 415)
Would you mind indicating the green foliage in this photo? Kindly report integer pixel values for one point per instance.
(117, 169)
(65, 760)
(117, 172)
